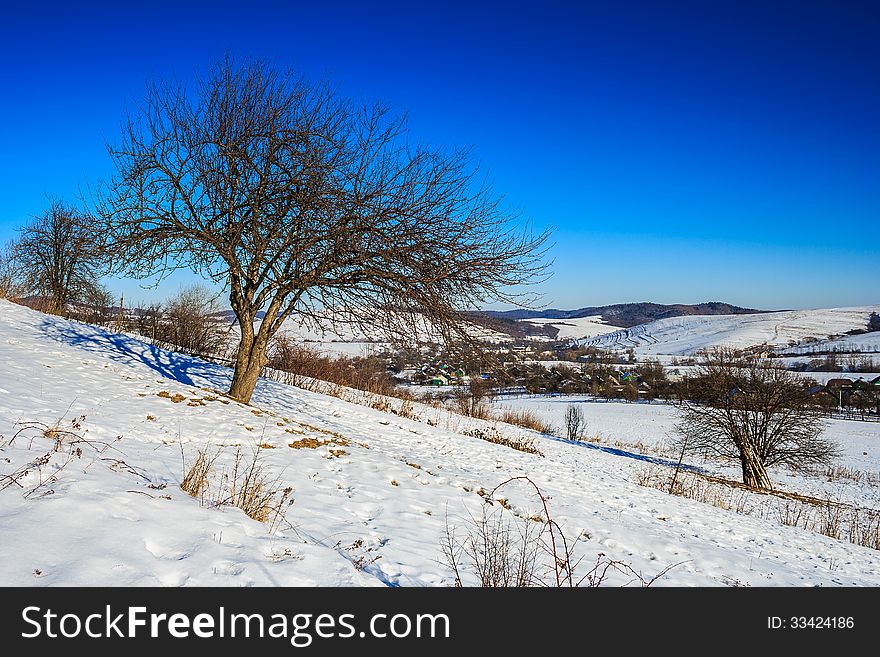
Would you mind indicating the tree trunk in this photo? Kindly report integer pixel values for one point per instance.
(56, 305)
(754, 473)
(248, 364)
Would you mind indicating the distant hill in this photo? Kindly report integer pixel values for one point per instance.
(626, 315)
(789, 331)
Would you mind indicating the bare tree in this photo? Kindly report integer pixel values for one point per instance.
(10, 274)
(59, 254)
(188, 322)
(472, 401)
(574, 422)
(755, 412)
(101, 305)
(303, 202)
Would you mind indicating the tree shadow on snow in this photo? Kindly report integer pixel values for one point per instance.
(127, 350)
(657, 460)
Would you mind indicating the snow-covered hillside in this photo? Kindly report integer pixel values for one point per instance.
(689, 334)
(372, 491)
(582, 327)
(865, 343)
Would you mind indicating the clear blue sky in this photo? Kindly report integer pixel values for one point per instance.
(684, 151)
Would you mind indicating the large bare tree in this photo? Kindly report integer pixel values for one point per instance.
(59, 255)
(755, 412)
(300, 201)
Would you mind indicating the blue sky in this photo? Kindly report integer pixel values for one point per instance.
(684, 151)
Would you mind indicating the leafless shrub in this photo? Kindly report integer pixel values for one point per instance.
(471, 400)
(470, 403)
(574, 422)
(502, 552)
(188, 323)
(309, 368)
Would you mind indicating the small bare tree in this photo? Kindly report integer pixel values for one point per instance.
(574, 422)
(100, 305)
(472, 401)
(10, 274)
(188, 322)
(302, 202)
(59, 254)
(755, 412)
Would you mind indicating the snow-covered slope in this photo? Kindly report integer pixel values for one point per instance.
(689, 334)
(370, 512)
(582, 327)
(865, 343)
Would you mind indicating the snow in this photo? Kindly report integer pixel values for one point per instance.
(636, 426)
(581, 327)
(866, 343)
(687, 335)
(115, 515)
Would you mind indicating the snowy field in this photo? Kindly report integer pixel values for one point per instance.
(370, 500)
(866, 343)
(680, 336)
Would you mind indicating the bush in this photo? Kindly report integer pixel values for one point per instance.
(187, 324)
(499, 554)
(574, 422)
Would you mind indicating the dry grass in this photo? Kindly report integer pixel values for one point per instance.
(175, 398)
(315, 443)
(249, 486)
(253, 490)
(842, 472)
(196, 480)
(525, 419)
(492, 435)
(835, 519)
